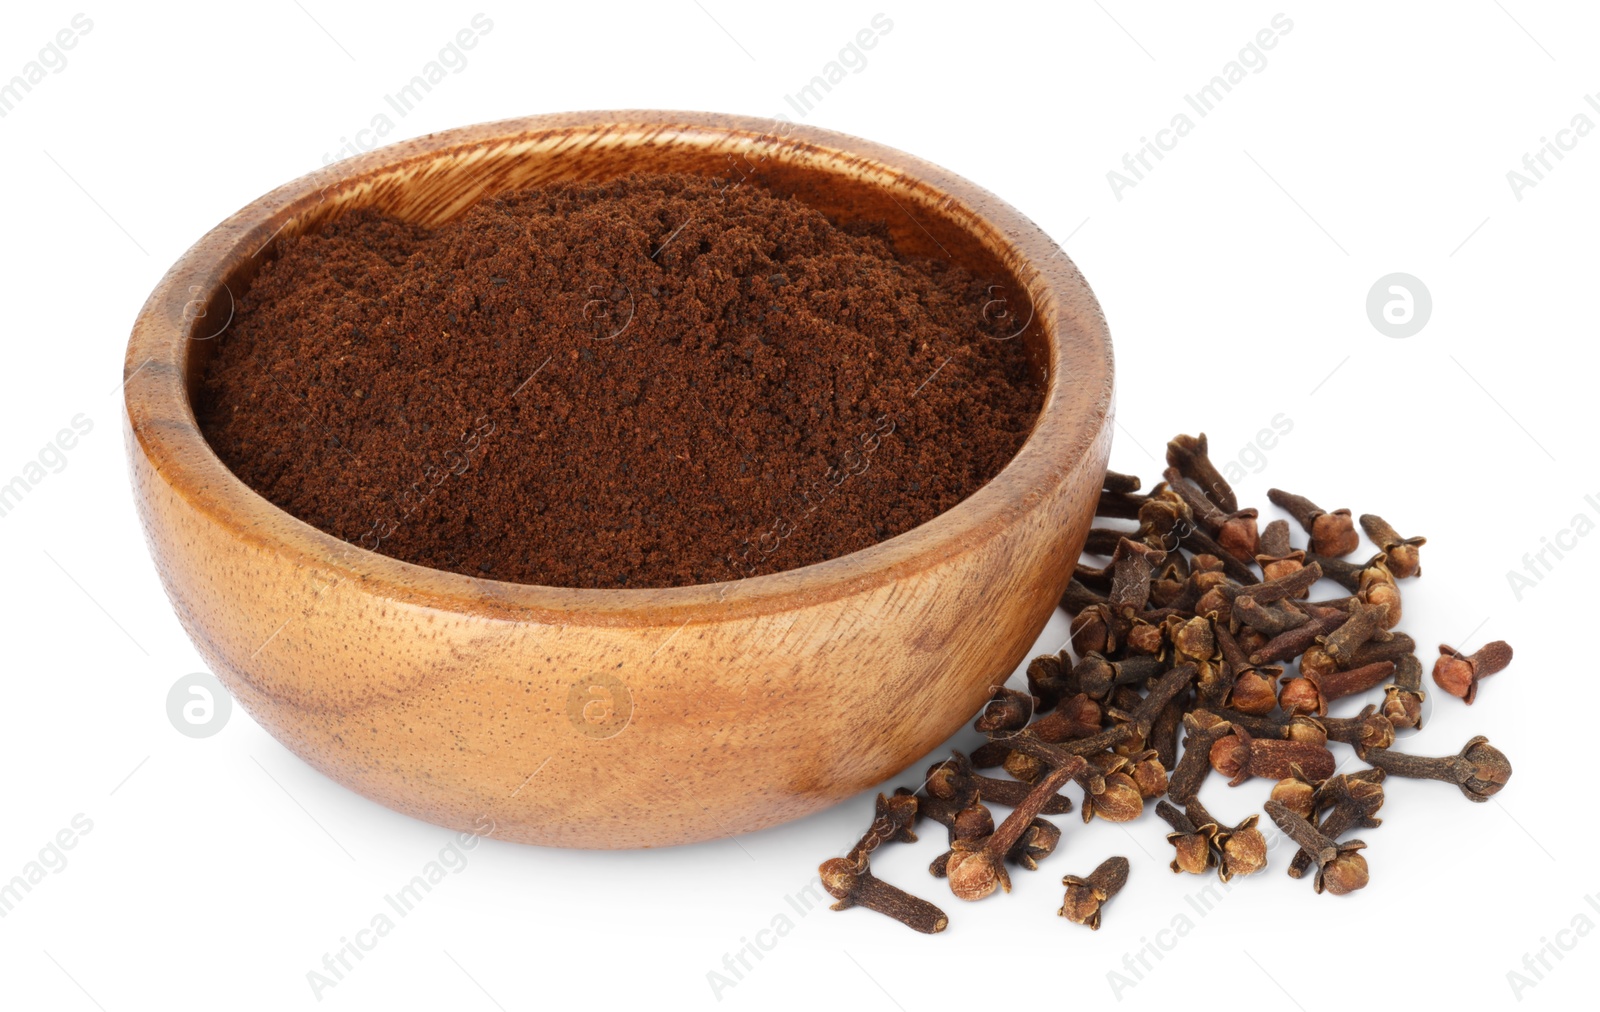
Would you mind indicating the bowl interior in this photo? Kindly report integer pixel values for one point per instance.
(926, 211)
(434, 187)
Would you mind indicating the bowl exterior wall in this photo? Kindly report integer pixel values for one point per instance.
(578, 735)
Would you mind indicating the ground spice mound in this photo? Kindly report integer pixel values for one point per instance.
(648, 382)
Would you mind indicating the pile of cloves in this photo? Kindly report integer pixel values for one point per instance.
(1188, 630)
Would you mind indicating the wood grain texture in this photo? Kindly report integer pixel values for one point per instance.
(620, 718)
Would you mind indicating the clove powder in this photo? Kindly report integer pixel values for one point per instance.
(652, 381)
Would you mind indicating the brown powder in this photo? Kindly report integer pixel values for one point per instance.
(646, 382)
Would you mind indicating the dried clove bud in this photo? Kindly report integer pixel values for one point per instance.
(977, 868)
(1296, 727)
(1132, 567)
(1114, 795)
(1296, 793)
(1038, 842)
(954, 780)
(1235, 532)
(1401, 553)
(1110, 738)
(1119, 505)
(1316, 659)
(1077, 717)
(1087, 896)
(1164, 734)
(1368, 729)
(1095, 578)
(1192, 843)
(1345, 574)
(854, 885)
(1190, 455)
(1242, 756)
(1340, 867)
(1402, 701)
(990, 754)
(1195, 539)
(1160, 517)
(1169, 580)
(1276, 557)
(1294, 642)
(1097, 676)
(1351, 681)
(1077, 597)
(1241, 849)
(1050, 680)
(1273, 620)
(1254, 690)
(1275, 539)
(1332, 534)
(1149, 773)
(1093, 630)
(1011, 792)
(1479, 769)
(1164, 690)
(1144, 636)
(1352, 804)
(1377, 586)
(975, 822)
(1289, 586)
(1103, 540)
(1008, 710)
(1024, 767)
(951, 781)
(1194, 642)
(1459, 674)
(1313, 693)
(1124, 483)
(850, 880)
(1366, 622)
(1300, 696)
(1045, 754)
(1203, 730)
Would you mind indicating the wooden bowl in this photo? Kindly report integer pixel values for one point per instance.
(621, 718)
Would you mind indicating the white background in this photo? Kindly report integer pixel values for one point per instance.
(1376, 139)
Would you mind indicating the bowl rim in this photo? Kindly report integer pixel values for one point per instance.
(159, 419)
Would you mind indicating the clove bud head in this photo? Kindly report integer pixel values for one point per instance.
(1245, 850)
(973, 872)
(1009, 710)
(1300, 697)
(1086, 897)
(1334, 534)
(1038, 842)
(1295, 794)
(1346, 873)
(1459, 674)
(1121, 801)
(972, 823)
(1148, 773)
(1402, 706)
(1317, 662)
(1193, 853)
(1490, 769)
(1255, 691)
(1091, 631)
(1081, 905)
(1376, 586)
